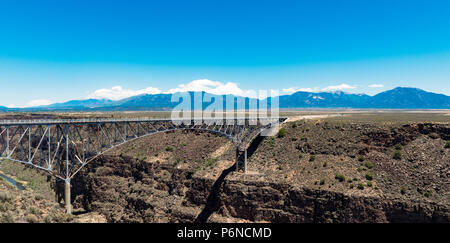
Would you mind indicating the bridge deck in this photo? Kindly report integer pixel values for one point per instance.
(62, 147)
(107, 120)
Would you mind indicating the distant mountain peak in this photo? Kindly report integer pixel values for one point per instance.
(405, 89)
(397, 98)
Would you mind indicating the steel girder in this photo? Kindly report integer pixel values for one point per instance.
(63, 147)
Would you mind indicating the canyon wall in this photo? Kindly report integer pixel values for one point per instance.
(128, 190)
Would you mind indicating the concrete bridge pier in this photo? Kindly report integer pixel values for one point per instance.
(245, 161)
(241, 160)
(67, 196)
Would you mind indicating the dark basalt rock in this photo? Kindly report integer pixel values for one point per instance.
(127, 190)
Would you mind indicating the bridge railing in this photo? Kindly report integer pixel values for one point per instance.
(106, 120)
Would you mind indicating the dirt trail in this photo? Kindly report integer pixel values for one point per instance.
(221, 150)
(297, 118)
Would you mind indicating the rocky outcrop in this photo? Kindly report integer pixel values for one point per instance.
(405, 134)
(128, 190)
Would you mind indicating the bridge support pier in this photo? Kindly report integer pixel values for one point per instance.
(237, 159)
(241, 160)
(245, 161)
(67, 197)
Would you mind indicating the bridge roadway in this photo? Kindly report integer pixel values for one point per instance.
(63, 147)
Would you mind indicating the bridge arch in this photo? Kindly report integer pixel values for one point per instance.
(226, 136)
(63, 147)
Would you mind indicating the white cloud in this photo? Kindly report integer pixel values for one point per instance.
(209, 86)
(212, 87)
(206, 85)
(338, 87)
(376, 86)
(292, 90)
(117, 93)
(38, 102)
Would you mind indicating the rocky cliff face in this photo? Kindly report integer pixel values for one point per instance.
(129, 190)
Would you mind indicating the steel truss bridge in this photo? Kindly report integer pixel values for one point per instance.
(63, 147)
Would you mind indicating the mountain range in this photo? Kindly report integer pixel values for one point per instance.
(398, 98)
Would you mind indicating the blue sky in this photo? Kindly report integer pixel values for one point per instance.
(53, 51)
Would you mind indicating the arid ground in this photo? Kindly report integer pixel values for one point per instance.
(325, 166)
